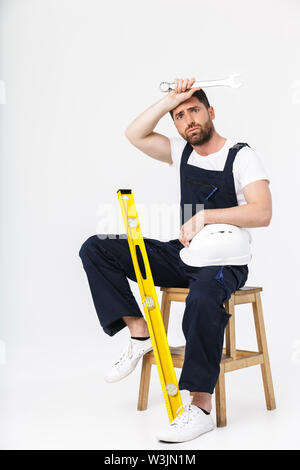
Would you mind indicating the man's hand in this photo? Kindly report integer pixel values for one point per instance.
(191, 228)
(182, 90)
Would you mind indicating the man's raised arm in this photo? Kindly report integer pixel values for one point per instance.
(140, 131)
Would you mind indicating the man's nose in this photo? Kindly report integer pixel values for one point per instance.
(190, 123)
(190, 120)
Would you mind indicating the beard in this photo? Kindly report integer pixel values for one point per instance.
(201, 135)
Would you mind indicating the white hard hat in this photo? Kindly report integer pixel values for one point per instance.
(218, 244)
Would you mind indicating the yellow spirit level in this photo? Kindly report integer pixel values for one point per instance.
(151, 306)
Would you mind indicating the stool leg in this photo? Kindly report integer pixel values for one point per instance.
(144, 384)
(263, 348)
(230, 329)
(220, 399)
(165, 309)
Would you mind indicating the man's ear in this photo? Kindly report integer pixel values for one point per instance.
(211, 112)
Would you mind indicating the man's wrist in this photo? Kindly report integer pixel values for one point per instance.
(169, 103)
(207, 216)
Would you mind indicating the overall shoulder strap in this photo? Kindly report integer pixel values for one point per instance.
(232, 154)
(186, 153)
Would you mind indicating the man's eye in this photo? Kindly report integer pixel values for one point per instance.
(196, 109)
(178, 117)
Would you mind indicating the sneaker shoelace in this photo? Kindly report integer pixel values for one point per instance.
(184, 414)
(127, 353)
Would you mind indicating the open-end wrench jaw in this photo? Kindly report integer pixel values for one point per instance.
(232, 80)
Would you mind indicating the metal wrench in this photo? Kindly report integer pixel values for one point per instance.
(229, 81)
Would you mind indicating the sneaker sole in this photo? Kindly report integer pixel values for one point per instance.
(186, 440)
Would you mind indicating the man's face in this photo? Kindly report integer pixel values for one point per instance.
(193, 114)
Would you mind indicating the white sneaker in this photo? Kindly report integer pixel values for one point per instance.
(189, 424)
(128, 360)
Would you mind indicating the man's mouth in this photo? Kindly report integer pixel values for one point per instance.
(193, 129)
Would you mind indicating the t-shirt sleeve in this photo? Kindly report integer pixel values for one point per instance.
(250, 167)
(177, 145)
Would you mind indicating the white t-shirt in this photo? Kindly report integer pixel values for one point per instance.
(247, 166)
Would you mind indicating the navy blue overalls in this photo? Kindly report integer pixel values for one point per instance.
(107, 262)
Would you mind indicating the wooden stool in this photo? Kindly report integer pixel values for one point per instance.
(232, 358)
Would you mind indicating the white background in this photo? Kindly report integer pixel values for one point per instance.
(77, 73)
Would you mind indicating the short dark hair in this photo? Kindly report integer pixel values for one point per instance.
(201, 96)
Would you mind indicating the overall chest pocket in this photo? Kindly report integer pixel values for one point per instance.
(205, 190)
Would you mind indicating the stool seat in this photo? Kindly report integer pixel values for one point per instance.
(185, 290)
(232, 358)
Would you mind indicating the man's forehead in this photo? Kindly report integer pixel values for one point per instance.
(187, 104)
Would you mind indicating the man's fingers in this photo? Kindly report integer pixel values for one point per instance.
(185, 84)
(182, 85)
(192, 90)
(184, 240)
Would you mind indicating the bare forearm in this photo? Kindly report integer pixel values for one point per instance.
(246, 215)
(145, 123)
